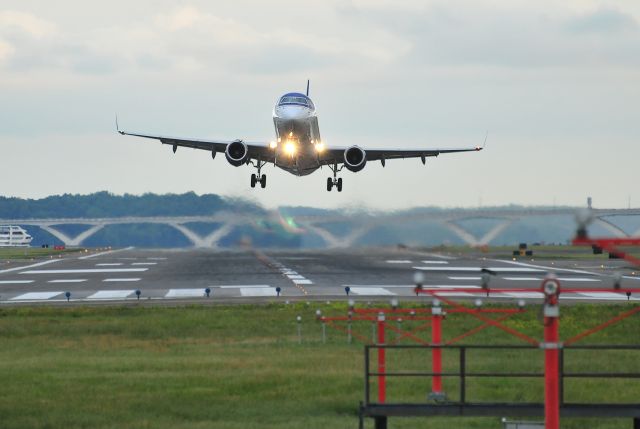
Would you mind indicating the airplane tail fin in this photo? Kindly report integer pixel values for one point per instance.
(307, 87)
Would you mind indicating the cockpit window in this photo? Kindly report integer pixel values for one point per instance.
(300, 101)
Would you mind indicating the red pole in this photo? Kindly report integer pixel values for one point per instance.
(551, 344)
(382, 386)
(436, 352)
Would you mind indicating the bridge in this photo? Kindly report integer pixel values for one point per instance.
(359, 224)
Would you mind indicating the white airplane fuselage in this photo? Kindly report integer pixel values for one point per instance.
(299, 146)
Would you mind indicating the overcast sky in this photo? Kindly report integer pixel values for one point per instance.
(556, 84)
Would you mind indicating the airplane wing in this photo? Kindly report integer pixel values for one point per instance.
(257, 150)
(336, 155)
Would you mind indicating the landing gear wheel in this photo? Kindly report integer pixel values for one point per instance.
(254, 180)
(329, 184)
(339, 185)
(263, 181)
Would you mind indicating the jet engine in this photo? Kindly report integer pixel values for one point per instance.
(355, 158)
(236, 153)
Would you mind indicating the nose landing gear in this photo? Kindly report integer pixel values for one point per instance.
(337, 182)
(259, 178)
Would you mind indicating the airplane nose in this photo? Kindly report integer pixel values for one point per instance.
(293, 112)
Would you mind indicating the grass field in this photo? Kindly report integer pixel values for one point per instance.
(242, 367)
(27, 253)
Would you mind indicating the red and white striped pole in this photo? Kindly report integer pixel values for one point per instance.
(551, 345)
(382, 387)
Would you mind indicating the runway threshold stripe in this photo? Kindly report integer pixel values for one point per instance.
(111, 294)
(114, 280)
(104, 253)
(241, 286)
(15, 282)
(302, 281)
(184, 293)
(479, 269)
(35, 296)
(523, 279)
(144, 263)
(465, 278)
(87, 271)
(371, 291)
(436, 262)
(258, 292)
(114, 264)
(604, 295)
(398, 261)
(67, 281)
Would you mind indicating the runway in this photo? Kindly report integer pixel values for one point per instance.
(245, 276)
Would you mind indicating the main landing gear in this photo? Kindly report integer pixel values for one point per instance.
(259, 178)
(337, 182)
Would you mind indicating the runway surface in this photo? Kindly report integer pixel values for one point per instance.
(254, 276)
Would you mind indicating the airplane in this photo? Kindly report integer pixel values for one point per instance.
(298, 148)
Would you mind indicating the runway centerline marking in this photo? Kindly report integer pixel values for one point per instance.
(144, 263)
(87, 271)
(113, 280)
(113, 264)
(464, 278)
(241, 286)
(111, 294)
(398, 261)
(35, 296)
(15, 282)
(67, 281)
(435, 262)
(479, 269)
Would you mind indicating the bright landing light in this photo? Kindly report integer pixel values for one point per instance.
(319, 147)
(273, 145)
(290, 148)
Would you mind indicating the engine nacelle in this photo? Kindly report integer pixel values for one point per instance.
(236, 153)
(355, 158)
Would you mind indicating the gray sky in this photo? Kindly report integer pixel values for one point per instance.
(557, 84)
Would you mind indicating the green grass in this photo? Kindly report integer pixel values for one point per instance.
(242, 367)
(26, 253)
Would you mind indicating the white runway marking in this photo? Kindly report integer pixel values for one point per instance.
(258, 291)
(604, 295)
(111, 294)
(578, 279)
(479, 269)
(35, 296)
(546, 269)
(39, 264)
(104, 253)
(241, 286)
(465, 278)
(157, 259)
(67, 281)
(145, 263)
(85, 271)
(15, 282)
(132, 279)
(439, 256)
(431, 287)
(523, 279)
(528, 295)
(454, 294)
(371, 291)
(398, 261)
(114, 264)
(435, 262)
(184, 293)
(302, 281)
(295, 276)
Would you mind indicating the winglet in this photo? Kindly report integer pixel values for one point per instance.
(483, 143)
(117, 126)
(307, 87)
